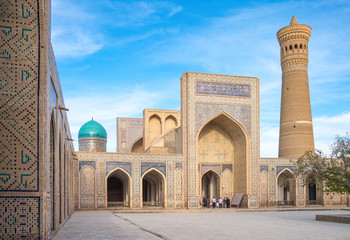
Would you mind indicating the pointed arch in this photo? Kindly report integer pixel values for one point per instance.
(234, 150)
(286, 187)
(87, 187)
(137, 146)
(118, 185)
(264, 188)
(178, 187)
(210, 185)
(314, 195)
(52, 134)
(154, 127)
(170, 123)
(153, 188)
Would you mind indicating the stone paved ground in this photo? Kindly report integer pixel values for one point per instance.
(202, 225)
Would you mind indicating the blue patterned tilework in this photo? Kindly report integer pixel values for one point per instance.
(226, 89)
(110, 166)
(178, 165)
(19, 96)
(281, 168)
(264, 168)
(19, 217)
(89, 163)
(145, 166)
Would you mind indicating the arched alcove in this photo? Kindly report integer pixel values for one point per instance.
(314, 195)
(52, 172)
(60, 172)
(118, 189)
(154, 127)
(264, 188)
(170, 123)
(137, 147)
(224, 141)
(210, 185)
(286, 188)
(87, 187)
(153, 189)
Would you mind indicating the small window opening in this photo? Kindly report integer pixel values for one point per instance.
(296, 46)
(301, 46)
(294, 126)
(286, 49)
(287, 89)
(290, 47)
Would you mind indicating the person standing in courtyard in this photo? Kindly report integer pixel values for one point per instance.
(220, 202)
(204, 202)
(214, 202)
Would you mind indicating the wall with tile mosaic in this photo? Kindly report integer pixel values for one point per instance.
(206, 96)
(136, 165)
(36, 192)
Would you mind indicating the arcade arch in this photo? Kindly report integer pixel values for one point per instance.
(210, 185)
(153, 189)
(52, 172)
(286, 188)
(118, 189)
(314, 195)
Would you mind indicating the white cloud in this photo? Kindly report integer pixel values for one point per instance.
(74, 33)
(327, 127)
(139, 13)
(325, 130)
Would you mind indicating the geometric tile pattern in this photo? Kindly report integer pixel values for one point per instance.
(227, 89)
(148, 165)
(131, 163)
(204, 112)
(19, 95)
(178, 187)
(110, 166)
(87, 163)
(87, 187)
(192, 122)
(20, 218)
(281, 168)
(213, 167)
(264, 168)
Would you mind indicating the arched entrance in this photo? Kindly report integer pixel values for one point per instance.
(313, 194)
(153, 189)
(223, 145)
(118, 189)
(286, 188)
(210, 185)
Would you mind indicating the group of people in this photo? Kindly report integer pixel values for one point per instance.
(221, 203)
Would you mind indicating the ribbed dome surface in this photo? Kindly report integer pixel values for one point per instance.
(92, 129)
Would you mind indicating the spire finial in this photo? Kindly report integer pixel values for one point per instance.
(294, 21)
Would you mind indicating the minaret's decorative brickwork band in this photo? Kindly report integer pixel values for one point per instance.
(296, 132)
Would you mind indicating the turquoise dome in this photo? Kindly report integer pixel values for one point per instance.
(92, 129)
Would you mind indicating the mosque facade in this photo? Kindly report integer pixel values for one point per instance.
(167, 159)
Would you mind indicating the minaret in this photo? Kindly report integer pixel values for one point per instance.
(296, 133)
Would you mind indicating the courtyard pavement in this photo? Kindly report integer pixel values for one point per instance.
(218, 225)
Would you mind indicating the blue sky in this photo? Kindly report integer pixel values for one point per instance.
(116, 58)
